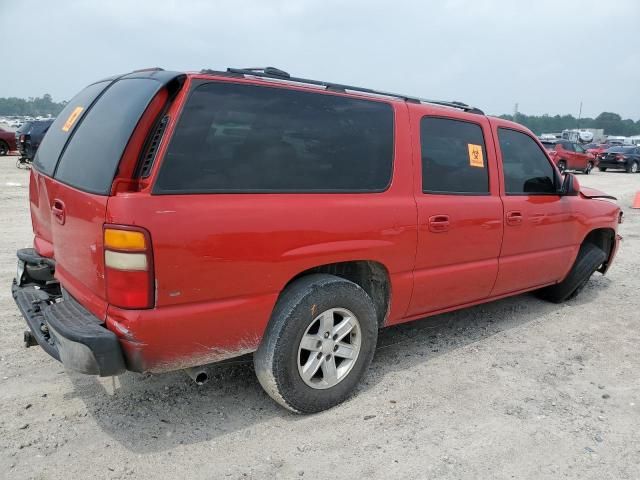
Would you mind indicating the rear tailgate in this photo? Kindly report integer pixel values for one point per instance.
(72, 177)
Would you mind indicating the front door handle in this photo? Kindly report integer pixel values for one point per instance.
(439, 223)
(514, 218)
(58, 211)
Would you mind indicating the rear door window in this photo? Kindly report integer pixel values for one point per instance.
(234, 138)
(454, 158)
(91, 158)
(53, 143)
(527, 170)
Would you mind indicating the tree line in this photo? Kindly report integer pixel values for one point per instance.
(611, 123)
(32, 106)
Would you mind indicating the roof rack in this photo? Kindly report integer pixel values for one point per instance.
(277, 74)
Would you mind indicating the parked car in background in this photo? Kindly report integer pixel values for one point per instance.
(29, 136)
(7, 141)
(570, 156)
(596, 149)
(625, 158)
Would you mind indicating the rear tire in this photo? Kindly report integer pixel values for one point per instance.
(633, 168)
(562, 166)
(602, 169)
(589, 259)
(285, 359)
(4, 148)
(587, 170)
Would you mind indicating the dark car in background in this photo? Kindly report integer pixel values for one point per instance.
(7, 142)
(569, 155)
(625, 158)
(29, 136)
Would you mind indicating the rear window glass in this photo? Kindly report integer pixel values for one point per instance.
(244, 138)
(454, 159)
(53, 143)
(91, 158)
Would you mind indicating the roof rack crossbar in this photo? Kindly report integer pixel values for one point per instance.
(275, 73)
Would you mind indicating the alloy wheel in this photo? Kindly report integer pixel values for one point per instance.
(329, 348)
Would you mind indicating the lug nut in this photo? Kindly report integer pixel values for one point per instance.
(335, 337)
(319, 344)
(328, 357)
(319, 356)
(335, 348)
(326, 334)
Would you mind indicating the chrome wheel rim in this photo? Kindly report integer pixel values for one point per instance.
(329, 348)
(634, 167)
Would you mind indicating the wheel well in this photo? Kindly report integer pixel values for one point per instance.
(602, 238)
(371, 276)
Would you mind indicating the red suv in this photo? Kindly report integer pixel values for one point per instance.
(571, 156)
(182, 219)
(7, 142)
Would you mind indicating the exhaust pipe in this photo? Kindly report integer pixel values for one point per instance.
(198, 375)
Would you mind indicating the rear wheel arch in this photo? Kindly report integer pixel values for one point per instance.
(372, 276)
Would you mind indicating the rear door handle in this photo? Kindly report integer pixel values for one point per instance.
(514, 218)
(439, 223)
(58, 211)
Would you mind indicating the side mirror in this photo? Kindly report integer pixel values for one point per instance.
(570, 185)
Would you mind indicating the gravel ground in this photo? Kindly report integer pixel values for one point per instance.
(517, 388)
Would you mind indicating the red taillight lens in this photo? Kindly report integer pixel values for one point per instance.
(128, 260)
(21, 138)
(620, 157)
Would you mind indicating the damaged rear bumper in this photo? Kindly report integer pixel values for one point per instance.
(63, 327)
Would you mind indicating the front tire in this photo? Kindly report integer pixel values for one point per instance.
(318, 345)
(589, 259)
(587, 170)
(602, 169)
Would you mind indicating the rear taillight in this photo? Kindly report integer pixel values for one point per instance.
(21, 138)
(128, 261)
(620, 158)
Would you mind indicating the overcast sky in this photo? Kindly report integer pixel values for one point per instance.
(545, 55)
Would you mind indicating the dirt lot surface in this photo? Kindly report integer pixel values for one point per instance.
(517, 388)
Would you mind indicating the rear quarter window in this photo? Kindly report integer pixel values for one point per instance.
(234, 138)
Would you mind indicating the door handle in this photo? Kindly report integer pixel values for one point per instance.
(514, 218)
(58, 211)
(439, 223)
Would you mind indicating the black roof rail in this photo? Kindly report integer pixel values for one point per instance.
(277, 74)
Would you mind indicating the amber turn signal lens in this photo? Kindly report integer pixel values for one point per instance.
(123, 239)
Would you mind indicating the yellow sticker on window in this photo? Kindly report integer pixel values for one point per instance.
(72, 119)
(475, 155)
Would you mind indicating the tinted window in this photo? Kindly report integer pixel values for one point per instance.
(549, 146)
(91, 158)
(526, 167)
(242, 138)
(454, 159)
(53, 143)
(621, 149)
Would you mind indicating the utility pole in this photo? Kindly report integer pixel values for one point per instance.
(580, 114)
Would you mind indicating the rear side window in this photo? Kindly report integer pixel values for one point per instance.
(235, 138)
(53, 143)
(454, 159)
(526, 168)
